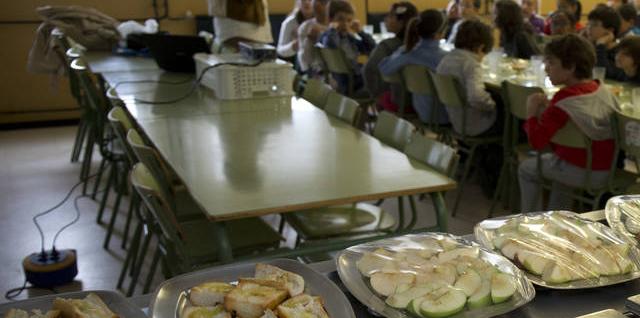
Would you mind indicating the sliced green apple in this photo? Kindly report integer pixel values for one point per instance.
(555, 273)
(402, 299)
(510, 250)
(414, 306)
(535, 263)
(448, 243)
(450, 302)
(446, 273)
(605, 263)
(386, 283)
(482, 296)
(503, 286)
(468, 282)
(374, 262)
(457, 252)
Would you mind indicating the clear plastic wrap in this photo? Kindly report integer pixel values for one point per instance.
(432, 275)
(623, 215)
(561, 250)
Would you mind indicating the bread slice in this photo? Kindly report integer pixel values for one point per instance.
(16, 313)
(252, 297)
(205, 312)
(48, 314)
(293, 281)
(269, 314)
(302, 306)
(89, 307)
(209, 293)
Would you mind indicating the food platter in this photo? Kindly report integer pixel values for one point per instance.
(428, 258)
(561, 250)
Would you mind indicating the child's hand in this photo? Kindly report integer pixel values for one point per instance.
(606, 39)
(535, 104)
(355, 26)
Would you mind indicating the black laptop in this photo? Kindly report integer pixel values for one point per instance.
(174, 53)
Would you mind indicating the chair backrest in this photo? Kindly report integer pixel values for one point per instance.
(439, 156)
(316, 92)
(449, 90)
(342, 107)
(571, 136)
(150, 157)
(627, 134)
(418, 80)
(121, 124)
(113, 98)
(515, 98)
(335, 60)
(156, 202)
(393, 131)
(90, 93)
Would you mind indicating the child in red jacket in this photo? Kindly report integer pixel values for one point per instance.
(568, 62)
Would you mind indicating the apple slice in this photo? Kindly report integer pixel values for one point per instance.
(446, 273)
(448, 243)
(535, 263)
(374, 262)
(605, 263)
(386, 283)
(503, 286)
(510, 250)
(455, 253)
(450, 302)
(414, 306)
(402, 299)
(469, 282)
(482, 296)
(555, 273)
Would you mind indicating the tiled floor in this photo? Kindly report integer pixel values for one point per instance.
(36, 174)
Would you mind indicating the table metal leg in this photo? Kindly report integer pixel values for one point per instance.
(441, 210)
(225, 253)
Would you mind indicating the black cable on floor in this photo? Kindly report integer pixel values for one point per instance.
(11, 294)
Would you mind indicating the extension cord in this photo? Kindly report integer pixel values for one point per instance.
(51, 268)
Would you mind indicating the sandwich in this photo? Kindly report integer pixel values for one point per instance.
(293, 282)
(89, 307)
(209, 293)
(252, 297)
(302, 306)
(205, 312)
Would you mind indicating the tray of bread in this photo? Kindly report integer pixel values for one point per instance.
(623, 216)
(279, 288)
(432, 275)
(561, 250)
(84, 304)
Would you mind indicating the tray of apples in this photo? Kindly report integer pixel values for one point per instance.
(432, 275)
(623, 215)
(561, 250)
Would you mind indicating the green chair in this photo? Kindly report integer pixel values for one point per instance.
(437, 155)
(187, 246)
(515, 110)
(393, 130)
(316, 92)
(404, 98)
(451, 94)
(111, 150)
(626, 130)
(417, 80)
(341, 107)
(122, 123)
(571, 136)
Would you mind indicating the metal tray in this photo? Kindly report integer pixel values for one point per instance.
(485, 233)
(114, 300)
(171, 296)
(358, 285)
(623, 212)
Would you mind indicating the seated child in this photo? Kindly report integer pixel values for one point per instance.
(602, 30)
(628, 60)
(429, 27)
(346, 34)
(569, 60)
(473, 42)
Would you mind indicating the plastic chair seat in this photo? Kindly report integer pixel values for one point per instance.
(340, 220)
(199, 241)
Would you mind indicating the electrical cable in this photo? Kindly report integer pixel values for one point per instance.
(12, 293)
(35, 218)
(153, 82)
(196, 82)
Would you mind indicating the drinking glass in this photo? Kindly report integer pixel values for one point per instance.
(368, 29)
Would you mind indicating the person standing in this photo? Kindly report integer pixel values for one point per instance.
(288, 39)
(308, 35)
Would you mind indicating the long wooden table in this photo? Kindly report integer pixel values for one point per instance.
(272, 155)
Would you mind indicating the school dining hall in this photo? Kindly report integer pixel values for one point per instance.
(320, 158)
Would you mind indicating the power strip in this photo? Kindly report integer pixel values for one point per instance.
(53, 268)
